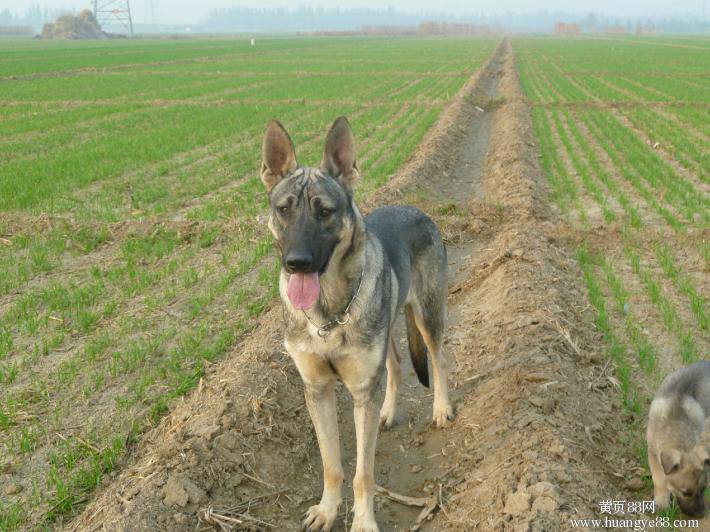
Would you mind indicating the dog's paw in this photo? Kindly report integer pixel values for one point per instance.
(364, 524)
(443, 414)
(387, 417)
(320, 518)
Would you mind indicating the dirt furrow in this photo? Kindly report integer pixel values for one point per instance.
(527, 462)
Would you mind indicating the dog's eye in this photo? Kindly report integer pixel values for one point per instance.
(324, 213)
(283, 209)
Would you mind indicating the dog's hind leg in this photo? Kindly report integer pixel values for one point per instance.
(429, 319)
(394, 377)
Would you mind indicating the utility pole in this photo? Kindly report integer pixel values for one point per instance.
(114, 11)
(153, 18)
(149, 18)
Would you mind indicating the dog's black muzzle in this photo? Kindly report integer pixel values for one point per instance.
(298, 262)
(694, 507)
(302, 261)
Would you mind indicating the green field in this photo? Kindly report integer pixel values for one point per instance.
(624, 137)
(133, 246)
(133, 243)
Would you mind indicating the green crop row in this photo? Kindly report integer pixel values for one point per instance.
(622, 127)
(576, 68)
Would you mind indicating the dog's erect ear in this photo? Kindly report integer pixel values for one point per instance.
(339, 155)
(670, 460)
(278, 155)
(703, 454)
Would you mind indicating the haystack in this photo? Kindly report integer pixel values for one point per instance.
(81, 26)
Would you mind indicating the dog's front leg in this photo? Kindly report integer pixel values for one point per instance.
(321, 404)
(361, 374)
(661, 493)
(319, 385)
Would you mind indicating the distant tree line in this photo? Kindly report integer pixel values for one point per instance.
(311, 19)
(304, 18)
(425, 28)
(34, 16)
(591, 23)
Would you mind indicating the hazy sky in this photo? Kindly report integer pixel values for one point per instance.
(185, 11)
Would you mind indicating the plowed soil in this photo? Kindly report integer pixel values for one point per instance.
(536, 439)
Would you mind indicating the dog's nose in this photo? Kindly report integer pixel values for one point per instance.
(299, 261)
(696, 509)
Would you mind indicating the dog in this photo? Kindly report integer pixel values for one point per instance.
(677, 455)
(344, 279)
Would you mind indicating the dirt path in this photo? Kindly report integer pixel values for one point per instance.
(530, 446)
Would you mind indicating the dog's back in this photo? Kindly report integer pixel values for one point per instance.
(412, 243)
(681, 406)
(689, 383)
(415, 250)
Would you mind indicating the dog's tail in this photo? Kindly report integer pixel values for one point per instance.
(417, 348)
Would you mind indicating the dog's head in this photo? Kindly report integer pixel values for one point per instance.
(687, 475)
(311, 208)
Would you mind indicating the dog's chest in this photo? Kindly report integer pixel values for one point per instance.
(306, 339)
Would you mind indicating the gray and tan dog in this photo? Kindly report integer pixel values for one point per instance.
(678, 451)
(344, 279)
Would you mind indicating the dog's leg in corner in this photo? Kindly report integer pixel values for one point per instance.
(394, 377)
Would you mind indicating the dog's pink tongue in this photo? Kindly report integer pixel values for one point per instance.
(303, 290)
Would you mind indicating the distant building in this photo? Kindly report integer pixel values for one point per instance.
(452, 28)
(645, 29)
(617, 29)
(424, 29)
(16, 30)
(563, 29)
